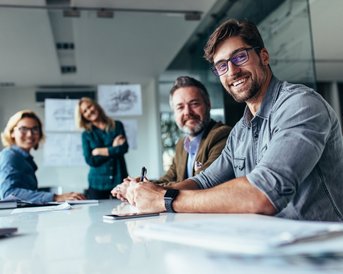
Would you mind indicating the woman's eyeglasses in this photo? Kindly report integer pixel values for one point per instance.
(25, 130)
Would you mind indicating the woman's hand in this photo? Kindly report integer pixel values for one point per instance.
(69, 196)
(100, 151)
(119, 140)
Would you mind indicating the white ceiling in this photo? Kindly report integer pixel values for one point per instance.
(131, 47)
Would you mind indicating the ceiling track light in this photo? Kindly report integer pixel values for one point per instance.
(74, 11)
(105, 13)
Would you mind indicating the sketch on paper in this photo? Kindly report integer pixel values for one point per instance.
(59, 114)
(120, 100)
(63, 149)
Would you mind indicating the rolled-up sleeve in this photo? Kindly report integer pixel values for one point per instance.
(299, 127)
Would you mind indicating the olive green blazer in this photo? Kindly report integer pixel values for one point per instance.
(211, 145)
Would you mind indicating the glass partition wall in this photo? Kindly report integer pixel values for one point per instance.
(286, 30)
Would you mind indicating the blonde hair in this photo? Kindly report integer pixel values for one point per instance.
(81, 122)
(6, 138)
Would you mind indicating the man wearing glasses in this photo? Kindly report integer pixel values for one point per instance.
(283, 158)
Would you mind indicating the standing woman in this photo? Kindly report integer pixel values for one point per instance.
(104, 145)
(24, 132)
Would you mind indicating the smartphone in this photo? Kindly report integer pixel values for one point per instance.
(129, 216)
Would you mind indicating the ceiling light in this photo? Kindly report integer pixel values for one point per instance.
(192, 16)
(104, 13)
(74, 12)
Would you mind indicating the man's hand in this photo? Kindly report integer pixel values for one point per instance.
(120, 190)
(146, 196)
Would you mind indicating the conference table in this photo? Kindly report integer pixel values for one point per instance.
(80, 241)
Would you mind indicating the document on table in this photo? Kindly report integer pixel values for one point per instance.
(204, 262)
(250, 234)
(77, 202)
(63, 206)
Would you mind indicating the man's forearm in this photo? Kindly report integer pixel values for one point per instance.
(234, 196)
(186, 184)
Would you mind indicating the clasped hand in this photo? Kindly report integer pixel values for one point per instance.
(145, 196)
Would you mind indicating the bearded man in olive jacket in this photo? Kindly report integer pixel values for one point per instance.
(204, 138)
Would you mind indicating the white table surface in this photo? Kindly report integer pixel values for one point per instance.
(79, 241)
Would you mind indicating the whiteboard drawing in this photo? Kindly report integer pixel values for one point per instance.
(120, 100)
(59, 114)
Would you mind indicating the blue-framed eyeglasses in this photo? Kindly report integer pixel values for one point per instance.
(238, 59)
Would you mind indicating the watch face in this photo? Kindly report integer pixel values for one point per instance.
(169, 197)
(171, 193)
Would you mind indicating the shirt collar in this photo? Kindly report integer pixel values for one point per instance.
(191, 146)
(267, 103)
(21, 151)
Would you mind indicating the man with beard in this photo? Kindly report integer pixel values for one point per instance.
(283, 158)
(204, 138)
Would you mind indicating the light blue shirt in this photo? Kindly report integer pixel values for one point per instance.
(17, 176)
(292, 150)
(192, 147)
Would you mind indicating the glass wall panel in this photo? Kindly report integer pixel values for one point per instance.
(285, 28)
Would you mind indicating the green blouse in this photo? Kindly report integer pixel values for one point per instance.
(105, 171)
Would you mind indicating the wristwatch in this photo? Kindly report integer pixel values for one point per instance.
(169, 199)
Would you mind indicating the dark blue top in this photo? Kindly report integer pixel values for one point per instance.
(17, 176)
(105, 171)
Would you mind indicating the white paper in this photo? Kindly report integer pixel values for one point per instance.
(131, 130)
(245, 234)
(78, 202)
(63, 149)
(202, 262)
(63, 206)
(60, 114)
(120, 100)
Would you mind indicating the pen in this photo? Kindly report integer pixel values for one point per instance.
(143, 173)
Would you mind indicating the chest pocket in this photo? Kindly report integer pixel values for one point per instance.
(239, 166)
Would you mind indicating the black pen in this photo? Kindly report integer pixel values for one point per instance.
(143, 173)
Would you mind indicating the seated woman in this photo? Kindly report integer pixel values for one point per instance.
(17, 168)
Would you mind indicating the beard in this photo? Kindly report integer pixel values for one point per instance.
(199, 126)
(245, 94)
(242, 95)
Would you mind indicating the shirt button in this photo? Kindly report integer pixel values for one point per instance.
(111, 177)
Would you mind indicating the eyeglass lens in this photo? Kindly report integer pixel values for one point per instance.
(25, 130)
(238, 59)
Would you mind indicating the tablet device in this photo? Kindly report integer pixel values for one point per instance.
(6, 231)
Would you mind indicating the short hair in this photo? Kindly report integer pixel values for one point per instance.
(6, 138)
(81, 122)
(186, 81)
(232, 28)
